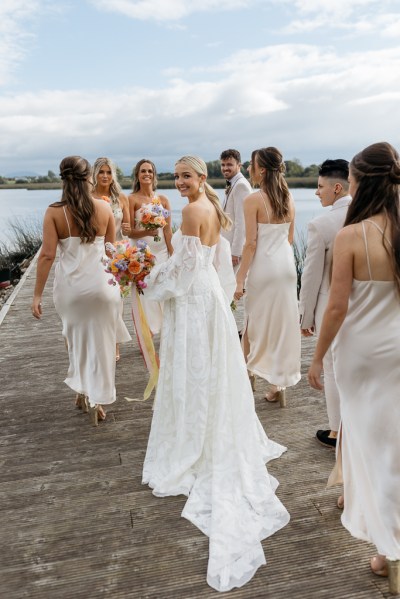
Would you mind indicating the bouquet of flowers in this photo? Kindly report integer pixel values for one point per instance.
(129, 265)
(153, 216)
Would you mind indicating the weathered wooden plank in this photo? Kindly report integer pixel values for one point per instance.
(76, 522)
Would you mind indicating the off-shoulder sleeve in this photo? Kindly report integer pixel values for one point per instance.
(174, 277)
(223, 266)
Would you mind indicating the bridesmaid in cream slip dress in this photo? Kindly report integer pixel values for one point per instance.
(106, 187)
(362, 322)
(271, 337)
(144, 186)
(87, 305)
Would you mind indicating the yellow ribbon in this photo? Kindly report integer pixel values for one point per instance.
(147, 339)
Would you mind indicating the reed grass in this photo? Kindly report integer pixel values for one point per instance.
(24, 240)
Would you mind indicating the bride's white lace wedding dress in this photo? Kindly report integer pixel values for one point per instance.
(206, 441)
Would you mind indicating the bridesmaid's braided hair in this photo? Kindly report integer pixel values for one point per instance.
(273, 182)
(200, 167)
(75, 173)
(377, 172)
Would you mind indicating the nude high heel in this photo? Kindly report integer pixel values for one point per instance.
(252, 379)
(81, 402)
(282, 397)
(383, 566)
(94, 415)
(393, 567)
(278, 395)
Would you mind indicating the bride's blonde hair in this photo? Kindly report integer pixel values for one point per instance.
(200, 167)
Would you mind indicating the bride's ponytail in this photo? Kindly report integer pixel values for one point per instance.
(200, 167)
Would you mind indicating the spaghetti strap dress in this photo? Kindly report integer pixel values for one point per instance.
(366, 353)
(271, 307)
(89, 310)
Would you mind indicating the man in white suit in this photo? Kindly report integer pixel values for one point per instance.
(332, 191)
(237, 189)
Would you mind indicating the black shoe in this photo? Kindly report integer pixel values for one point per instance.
(324, 438)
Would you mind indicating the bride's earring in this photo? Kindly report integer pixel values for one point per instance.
(201, 188)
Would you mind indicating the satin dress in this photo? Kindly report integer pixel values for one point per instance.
(271, 307)
(90, 310)
(366, 353)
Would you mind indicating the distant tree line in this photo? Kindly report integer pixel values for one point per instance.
(294, 168)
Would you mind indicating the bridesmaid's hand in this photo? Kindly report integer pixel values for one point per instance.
(36, 307)
(126, 228)
(314, 375)
(239, 291)
(307, 332)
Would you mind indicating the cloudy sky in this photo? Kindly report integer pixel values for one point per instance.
(162, 78)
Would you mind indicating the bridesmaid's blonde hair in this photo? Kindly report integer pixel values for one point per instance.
(200, 167)
(115, 187)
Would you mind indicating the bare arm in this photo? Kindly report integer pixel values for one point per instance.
(134, 233)
(250, 245)
(168, 226)
(45, 261)
(110, 230)
(292, 215)
(126, 219)
(336, 310)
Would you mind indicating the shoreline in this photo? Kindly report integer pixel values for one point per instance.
(126, 184)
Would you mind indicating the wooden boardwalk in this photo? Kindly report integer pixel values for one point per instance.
(77, 523)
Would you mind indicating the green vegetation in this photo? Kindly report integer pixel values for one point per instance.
(25, 240)
(296, 176)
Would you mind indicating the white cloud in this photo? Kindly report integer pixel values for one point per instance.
(167, 10)
(15, 16)
(362, 16)
(298, 97)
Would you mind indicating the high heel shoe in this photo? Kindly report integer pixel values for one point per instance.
(94, 415)
(81, 402)
(393, 567)
(382, 566)
(252, 379)
(278, 395)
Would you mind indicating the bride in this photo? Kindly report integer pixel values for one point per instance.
(206, 441)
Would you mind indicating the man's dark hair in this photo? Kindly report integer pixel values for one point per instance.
(235, 154)
(335, 169)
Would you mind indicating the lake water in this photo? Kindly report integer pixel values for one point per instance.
(22, 205)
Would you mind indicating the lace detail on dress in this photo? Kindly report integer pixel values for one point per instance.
(174, 277)
(206, 440)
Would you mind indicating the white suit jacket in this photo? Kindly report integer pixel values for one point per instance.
(315, 280)
(240, 189)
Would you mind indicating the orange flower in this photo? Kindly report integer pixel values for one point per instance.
(134, 267)
(106, 199)
(146, 218)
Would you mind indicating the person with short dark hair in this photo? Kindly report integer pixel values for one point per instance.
(332, 191)
(237, 188)
(362, 324)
